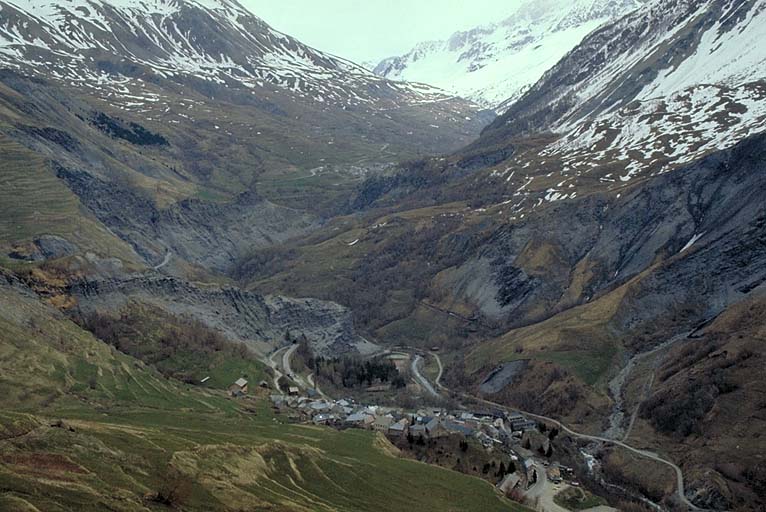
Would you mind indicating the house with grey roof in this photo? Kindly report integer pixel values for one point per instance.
(360, 419)
(383, 423)
(324, 419)
(399, 428)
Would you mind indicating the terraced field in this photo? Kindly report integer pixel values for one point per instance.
(85, 427)
(34, 202)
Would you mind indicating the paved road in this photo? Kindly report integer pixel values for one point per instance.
(310, 380)
(419, 377)
(541, 494)
(288, 370)
(649, 455)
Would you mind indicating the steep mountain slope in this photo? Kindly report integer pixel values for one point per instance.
(591, 292)
(260, 322)
(95, 44)
(597, 260)
(495, 64)
(216, 131)
(609, 232)
(84, 427)
(662, 86)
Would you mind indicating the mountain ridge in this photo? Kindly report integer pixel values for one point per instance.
(495, 64)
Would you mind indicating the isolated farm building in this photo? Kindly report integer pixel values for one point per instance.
(509, 483)
(239, 387)
(293, 391)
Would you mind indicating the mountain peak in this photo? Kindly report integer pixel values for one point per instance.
(495, 64)
(101, 44)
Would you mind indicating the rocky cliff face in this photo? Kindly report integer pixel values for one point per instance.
(166, 117)
(693, 238)
(212, 235)
(259, 321)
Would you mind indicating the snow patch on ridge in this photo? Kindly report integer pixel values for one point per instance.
(496, 64)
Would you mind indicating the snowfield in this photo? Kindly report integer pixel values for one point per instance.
(69, 39)
(494, 65)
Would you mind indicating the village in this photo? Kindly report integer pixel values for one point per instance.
(511, 451)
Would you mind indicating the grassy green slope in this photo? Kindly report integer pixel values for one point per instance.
(178, 347)
(34, 202)
(85, 427)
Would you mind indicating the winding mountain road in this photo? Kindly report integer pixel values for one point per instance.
(542, 493)
(680, 492)
(274, 366)
(286, 361)
(313, 384)
(646, 454)
(420, 378)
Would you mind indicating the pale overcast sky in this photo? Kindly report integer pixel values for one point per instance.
(370, 30)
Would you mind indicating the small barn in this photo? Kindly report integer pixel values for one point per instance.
(239, 387)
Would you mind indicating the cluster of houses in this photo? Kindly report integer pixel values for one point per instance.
(494, 429)
(490, 428)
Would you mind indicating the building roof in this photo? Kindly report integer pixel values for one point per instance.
(456, 427)
(384, 421)
(357, 417)
(399, 425)
(523, 425)
(241, 382)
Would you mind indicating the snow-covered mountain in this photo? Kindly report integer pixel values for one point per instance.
(213, 68)
(660, 87)
(495, 64)
(102, 45)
